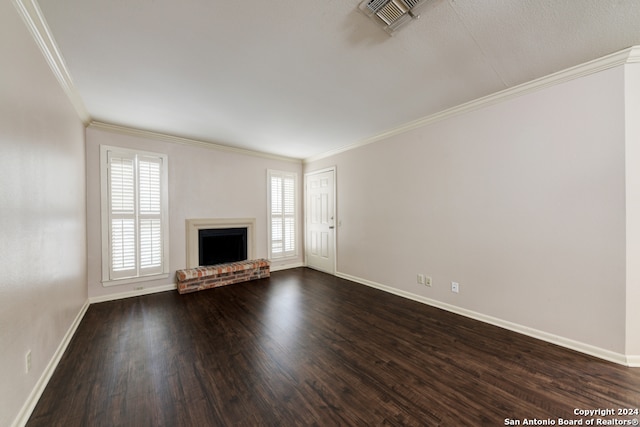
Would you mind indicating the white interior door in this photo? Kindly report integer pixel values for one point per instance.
(320, 220)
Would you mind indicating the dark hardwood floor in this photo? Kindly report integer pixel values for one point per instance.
(306, 348)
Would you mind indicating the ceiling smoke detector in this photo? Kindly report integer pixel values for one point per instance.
(391, 14)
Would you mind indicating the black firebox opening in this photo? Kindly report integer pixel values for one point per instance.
(220, 245)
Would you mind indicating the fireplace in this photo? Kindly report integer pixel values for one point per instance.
(220, 245)
(219, 238)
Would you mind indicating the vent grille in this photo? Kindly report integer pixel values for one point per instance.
(375, 5)
(391, 14)
(412, 3)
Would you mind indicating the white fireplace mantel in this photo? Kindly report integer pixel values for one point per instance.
(194, 225)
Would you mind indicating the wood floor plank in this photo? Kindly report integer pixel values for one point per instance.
(303, 348)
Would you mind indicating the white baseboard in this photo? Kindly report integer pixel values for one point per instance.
(286, 266)
(38, 389)
(34, 396)
(631, 361)
(165, 288)
(134, 293)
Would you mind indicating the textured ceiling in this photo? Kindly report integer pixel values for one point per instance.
(300, 78)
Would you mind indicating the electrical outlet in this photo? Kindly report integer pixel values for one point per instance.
(138, 288)
(455, 287)
(421, 279)
(27, 360)
(427, 281)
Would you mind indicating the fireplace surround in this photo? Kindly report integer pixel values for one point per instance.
(194, 226)
(196, 277)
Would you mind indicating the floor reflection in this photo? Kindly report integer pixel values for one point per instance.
(283, 315)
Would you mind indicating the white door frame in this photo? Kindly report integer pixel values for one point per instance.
(332, 169)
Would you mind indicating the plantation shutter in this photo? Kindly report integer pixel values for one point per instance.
(289, 231)
(277, 246)
(283, 214)
(150, 215)
(122, 215)
(135, 208)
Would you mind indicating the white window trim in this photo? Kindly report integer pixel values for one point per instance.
(107, 280)
(291, 254)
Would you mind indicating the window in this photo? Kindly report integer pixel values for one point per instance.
(134, 215)
(282, 214)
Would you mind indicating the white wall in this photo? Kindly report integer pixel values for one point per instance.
(522, 203)
(42, 214)
(632, 127)
(203, 183)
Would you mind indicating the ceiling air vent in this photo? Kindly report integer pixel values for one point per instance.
(391, 14)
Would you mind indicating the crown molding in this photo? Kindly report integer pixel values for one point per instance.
(125, 130)
(630, 55)
(634, 55)
(32, 16)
